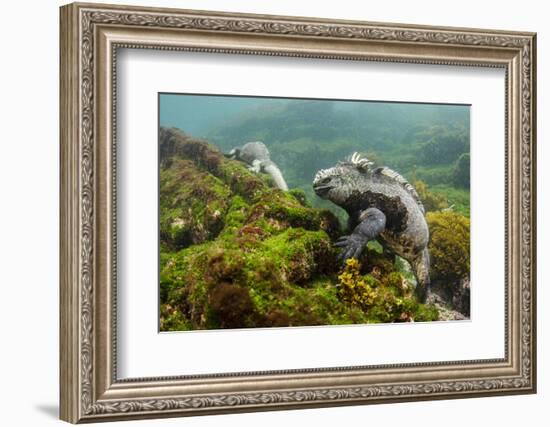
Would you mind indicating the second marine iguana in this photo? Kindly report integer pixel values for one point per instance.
(256, 155)
(382, 206)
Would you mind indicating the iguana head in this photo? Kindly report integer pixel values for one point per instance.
(338, 183)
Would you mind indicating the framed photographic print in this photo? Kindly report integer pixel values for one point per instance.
(266, 212)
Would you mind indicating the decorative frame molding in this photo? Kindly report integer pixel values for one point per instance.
(90, 36)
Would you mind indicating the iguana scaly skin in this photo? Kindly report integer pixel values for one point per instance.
(256, 155)
(381, 205)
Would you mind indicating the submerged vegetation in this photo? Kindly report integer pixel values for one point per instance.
(449, 245)
(384, 295)
(237, 252)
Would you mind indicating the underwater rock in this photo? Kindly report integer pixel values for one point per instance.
(192, 205)
(452, 300)
(237, 252)
(450, 250)
(441, 303)
(384, 295)
(449, 245)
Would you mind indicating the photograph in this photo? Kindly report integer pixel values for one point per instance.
(278, 212)
(261, 211)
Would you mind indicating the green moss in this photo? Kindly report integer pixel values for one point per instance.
(300, 195)
(238, 253)
(235, 216)
(270, 270)
(383, 296)
(426, 313)
(173, 320)
(241, 181)
(299, 254)
(192, 205)
(271, 274)
(280, 210)
(449, 245)
(378, 262)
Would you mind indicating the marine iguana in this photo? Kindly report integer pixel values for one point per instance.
(256, 155)
(381, 205)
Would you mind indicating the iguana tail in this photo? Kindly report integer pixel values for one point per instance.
(277, 176)
(421, 266)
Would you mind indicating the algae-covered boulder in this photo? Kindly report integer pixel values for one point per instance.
(449, 245)
(384, 295)
(237, 252)
(450, 252)
(199, 188)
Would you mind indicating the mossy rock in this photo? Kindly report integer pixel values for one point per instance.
(199, 187)
(450, 258)
(192, 205)
(263, 279)
(449, 245)
(237, 252)
(383, 297)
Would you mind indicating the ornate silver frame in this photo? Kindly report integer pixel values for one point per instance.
(90, 36)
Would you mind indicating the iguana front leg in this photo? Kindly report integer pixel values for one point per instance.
(373, 222)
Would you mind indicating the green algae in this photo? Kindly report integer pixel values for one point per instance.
(239, 253)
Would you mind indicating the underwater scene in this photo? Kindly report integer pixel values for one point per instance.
(278, 212)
